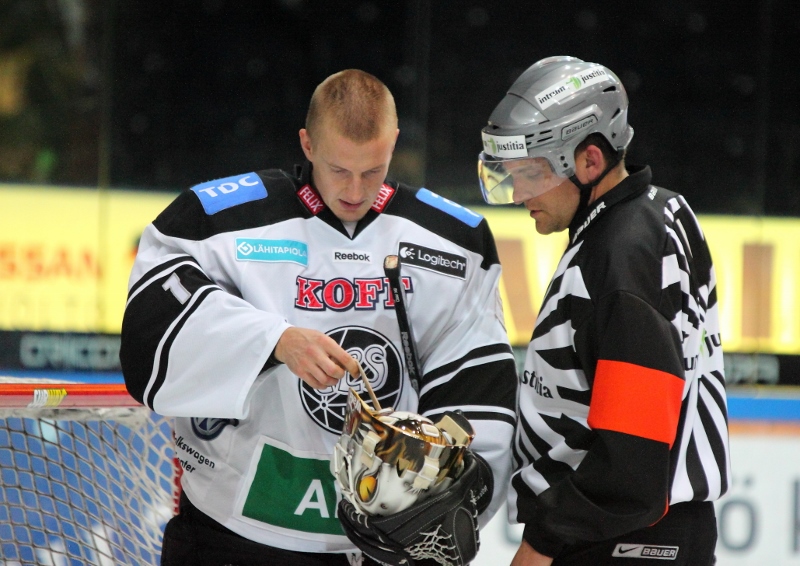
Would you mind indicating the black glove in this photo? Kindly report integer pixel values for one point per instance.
(443, 527)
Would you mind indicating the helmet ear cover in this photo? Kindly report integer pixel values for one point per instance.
(386, 460)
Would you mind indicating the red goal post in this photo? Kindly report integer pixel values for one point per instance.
(87, 474)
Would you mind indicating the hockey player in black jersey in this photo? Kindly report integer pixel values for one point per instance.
(622, 447)
(252, 303)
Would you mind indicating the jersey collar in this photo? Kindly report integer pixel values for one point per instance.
(310, 198)
(634, 184)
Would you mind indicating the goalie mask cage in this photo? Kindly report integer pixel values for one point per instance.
(87, 475)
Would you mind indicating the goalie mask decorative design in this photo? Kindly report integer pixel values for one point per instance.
(386, 460)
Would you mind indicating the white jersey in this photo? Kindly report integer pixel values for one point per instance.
(231, 264)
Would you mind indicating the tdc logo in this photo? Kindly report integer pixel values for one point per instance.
(229, 185)
(407, 253)
(245, 248)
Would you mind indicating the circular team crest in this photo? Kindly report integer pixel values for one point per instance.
(382, 365)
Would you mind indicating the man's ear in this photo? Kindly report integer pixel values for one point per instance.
(305, 143)
(593, 161)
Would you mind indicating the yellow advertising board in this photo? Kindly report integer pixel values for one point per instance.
(65, 257)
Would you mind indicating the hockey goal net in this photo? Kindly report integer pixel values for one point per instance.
(87, 475)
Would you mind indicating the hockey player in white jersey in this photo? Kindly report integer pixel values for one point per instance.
(254, 299)
(622, 440)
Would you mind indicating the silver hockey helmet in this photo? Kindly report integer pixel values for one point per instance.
(387, 460)
(530, 140)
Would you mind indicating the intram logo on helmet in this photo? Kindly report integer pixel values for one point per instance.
(569, 86)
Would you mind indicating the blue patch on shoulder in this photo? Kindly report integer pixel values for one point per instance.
(224, 193)
(468, 217)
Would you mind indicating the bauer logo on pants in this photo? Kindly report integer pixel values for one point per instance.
(651, 551)
(433, 260)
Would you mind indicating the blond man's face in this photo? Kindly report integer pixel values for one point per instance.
(347, 174)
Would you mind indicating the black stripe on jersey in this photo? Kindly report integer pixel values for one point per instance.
(519, 450)
(584, 397)
(701, 258)
(561, 358)
(718, 399)
(156, 270)
(163, 361)
(479, 416)
(694, 468)
(678, 442)
(491, 384)
(479, 240)
(482, 352)
(576, 436)
(149, 315)
(714, 440)
(568, 308)
(538, 443)
(712, 297)
(523, 493)
(545, 465)
(185, 217)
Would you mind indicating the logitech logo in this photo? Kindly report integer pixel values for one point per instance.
(407, 253)
(433, 260)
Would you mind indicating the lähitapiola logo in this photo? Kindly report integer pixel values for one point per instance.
(254, 249)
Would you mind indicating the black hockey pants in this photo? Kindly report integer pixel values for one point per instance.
(686, 536)
(192, 538)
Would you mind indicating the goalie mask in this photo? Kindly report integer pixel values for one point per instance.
(386, 460)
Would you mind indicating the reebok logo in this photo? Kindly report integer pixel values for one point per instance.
(349, 256)
(433, 260)
(651, 551)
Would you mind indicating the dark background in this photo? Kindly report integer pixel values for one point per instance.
(164, 95)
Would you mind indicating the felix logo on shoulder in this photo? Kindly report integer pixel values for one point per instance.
(433, 260)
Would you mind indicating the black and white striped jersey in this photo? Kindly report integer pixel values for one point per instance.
(231, 263)
(622, 400)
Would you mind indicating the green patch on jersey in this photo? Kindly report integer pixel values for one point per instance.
(293, 492)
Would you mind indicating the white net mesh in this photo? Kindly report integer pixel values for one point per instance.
(436, 545)
(84, 486)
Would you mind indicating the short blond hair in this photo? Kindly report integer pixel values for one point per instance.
(353, 102)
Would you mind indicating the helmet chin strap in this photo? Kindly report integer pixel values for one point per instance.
(586, 188)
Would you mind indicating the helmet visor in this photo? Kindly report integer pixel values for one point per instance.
(507, 181)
